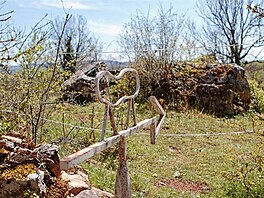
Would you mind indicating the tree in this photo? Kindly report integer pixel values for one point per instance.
(30, 96)
(146, 37)
(8, 37)
(231, 31)
(153, 44)
(79, 46)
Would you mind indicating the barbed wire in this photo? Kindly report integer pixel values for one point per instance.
(58, 122)
(201, 134)
(162, 135)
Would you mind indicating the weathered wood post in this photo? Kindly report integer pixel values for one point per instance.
(122, 183)
(155, 127)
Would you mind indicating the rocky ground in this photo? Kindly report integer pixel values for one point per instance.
(34, 171)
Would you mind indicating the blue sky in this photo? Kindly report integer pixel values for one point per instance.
(105, 17)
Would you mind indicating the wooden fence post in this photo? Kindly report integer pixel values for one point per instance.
(122, 184)
(153, 133)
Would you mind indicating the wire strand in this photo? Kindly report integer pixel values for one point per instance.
(200, 134)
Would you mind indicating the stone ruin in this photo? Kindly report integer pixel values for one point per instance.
(220, 89)
(29, 171)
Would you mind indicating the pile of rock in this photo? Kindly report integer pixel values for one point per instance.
(221, 89)
(26, 170)
(80, 86)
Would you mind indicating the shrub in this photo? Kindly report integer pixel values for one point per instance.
(257, 94)
(247, 179)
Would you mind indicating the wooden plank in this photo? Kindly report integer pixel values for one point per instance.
(160, 122)
(80, 156)
(134, 112)
(112, 121)
(138, 127)
(157, 105)
(161, 112)
(129, 102)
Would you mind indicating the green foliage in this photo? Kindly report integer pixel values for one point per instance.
(25, 95)
(29, 96)
(257, 94)
(247, 177)
(126, 86)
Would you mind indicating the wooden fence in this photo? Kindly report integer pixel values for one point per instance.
(122, 184)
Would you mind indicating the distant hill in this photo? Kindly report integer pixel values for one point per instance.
(115, 65)
(255, 71)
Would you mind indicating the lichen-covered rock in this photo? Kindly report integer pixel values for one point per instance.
(14, 181)
(49, 158)
(224, 90)
(221, 89)
(29, 171)
(24, 169)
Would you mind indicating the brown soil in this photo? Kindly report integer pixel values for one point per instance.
(184, 186)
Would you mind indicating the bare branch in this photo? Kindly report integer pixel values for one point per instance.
(231, 25)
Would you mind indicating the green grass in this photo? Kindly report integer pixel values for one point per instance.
(217, 162)
(191, 159)
(207, 160)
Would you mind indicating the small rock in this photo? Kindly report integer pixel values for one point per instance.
(102, 193)
(39, 178)
(87, 193)
(77, 182)
(50, 158)
(12, 139)
(8, 145)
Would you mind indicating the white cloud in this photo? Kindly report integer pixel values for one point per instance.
(67, 4)
(106, 29)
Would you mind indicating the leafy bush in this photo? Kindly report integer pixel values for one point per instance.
(25, 97)
(247, 179)
(257, 94)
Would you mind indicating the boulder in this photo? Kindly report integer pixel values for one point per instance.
(79, 87)
(220, 89)
(223, 90)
